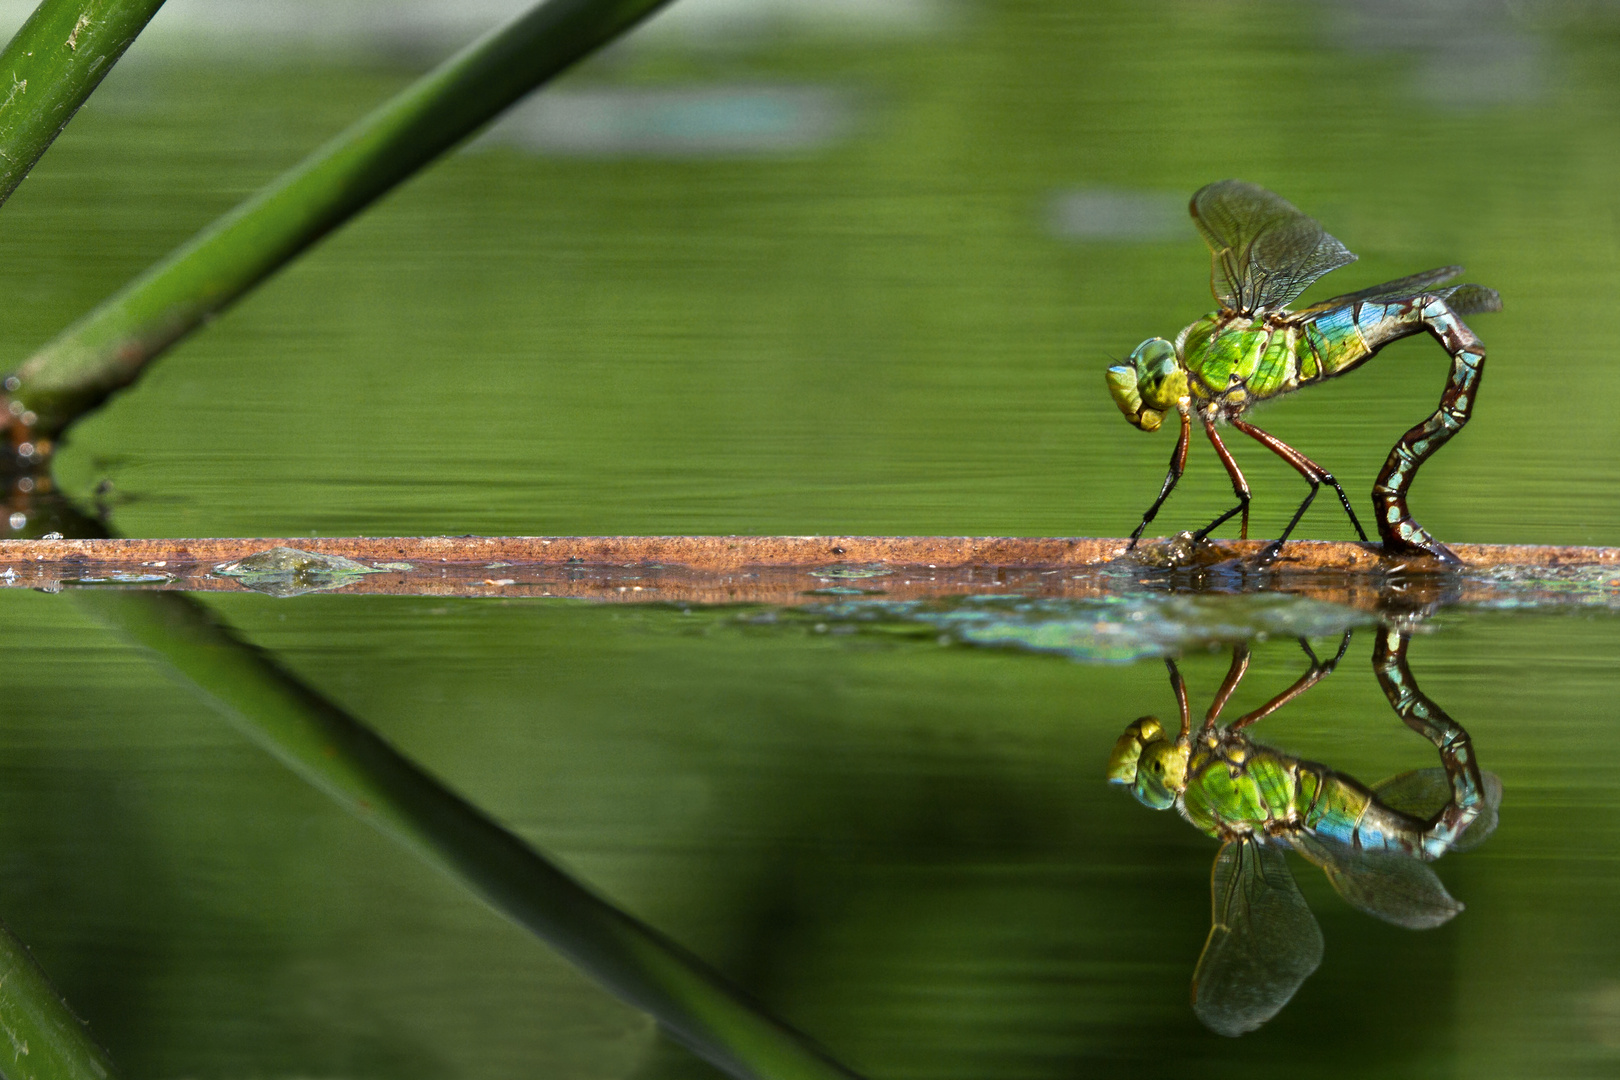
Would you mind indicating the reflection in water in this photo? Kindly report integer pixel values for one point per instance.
(1374, 843)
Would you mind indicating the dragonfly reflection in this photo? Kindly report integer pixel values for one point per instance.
(1374, 843)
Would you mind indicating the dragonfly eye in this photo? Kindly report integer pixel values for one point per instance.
(1160, 775)
(1154, 355)
(1160, 380)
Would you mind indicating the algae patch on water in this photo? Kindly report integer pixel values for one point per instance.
(1117, 628)
(286, 571)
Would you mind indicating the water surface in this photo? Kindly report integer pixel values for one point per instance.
(889, 318)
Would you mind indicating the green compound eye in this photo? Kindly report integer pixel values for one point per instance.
(1160, 774)
(1160, 380)
(1154, 358)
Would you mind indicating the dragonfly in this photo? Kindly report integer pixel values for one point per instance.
(1263, 254)
(1374, 843)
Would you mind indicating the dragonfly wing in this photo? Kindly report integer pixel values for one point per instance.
(1485, 824)
(1406, 286)
(1471, 299)
(1463, 299)
(1263, 944)
(1422, 793)
(1397, 888)
(1264, 251)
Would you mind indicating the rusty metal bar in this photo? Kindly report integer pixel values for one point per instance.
(728, 553)
(776, 569)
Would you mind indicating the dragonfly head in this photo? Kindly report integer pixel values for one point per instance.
(1150, 763)
(1149, 385)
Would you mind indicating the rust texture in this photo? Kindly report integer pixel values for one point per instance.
(712, 553)
(786, 569)
(728, 553)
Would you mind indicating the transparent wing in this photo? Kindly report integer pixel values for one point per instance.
(1465, 299)
(1390, 290)
(1397, 888)
(1471, 299)
(1263, 943)
(1263, 250)
(1422, 792)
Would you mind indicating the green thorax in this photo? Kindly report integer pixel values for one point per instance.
(1235, 788)
(1235, 359)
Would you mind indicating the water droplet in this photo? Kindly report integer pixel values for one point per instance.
(17, 521)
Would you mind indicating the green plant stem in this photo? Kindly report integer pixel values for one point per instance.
(40, 1037)
(350, 763)
(108, 348)
(55, 61)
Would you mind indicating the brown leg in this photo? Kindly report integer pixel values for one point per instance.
(1234, 675)
(1178, 465)
(1179, 685)
(1313, 473)
(1240, 487)
(1313, 675)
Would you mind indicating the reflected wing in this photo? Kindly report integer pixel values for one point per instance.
(1400, 889)
(1263, 251)
(1422, 792)
(1263, 943)
(1464, 299)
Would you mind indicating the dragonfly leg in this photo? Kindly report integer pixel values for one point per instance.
(1178, 465)
(1395, 525)
(1314, 475)
(1234, 675)
(1240, 488)
(1179, 686)
(1319, 670)
(1423, 716)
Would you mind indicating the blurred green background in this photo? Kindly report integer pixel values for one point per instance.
(795, 267)
(843, 268)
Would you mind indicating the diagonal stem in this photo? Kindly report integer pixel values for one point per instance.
(51, 66)
(36, 1022)
(108, 348)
